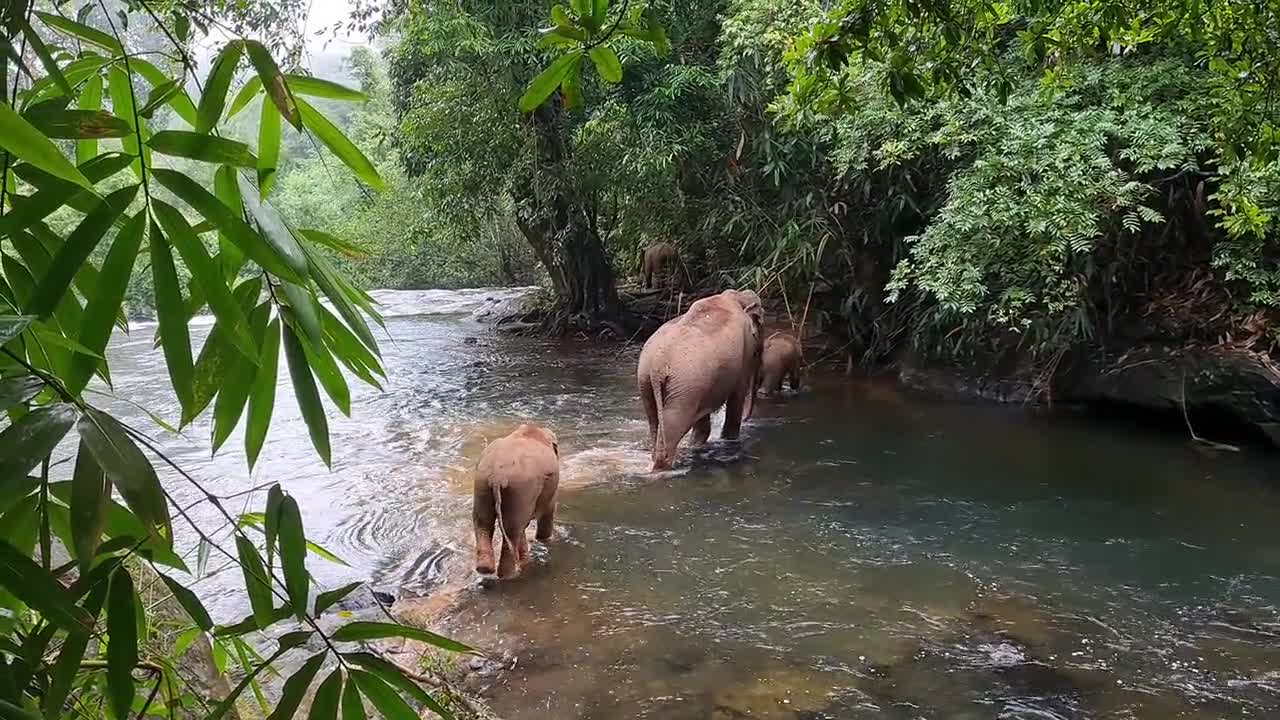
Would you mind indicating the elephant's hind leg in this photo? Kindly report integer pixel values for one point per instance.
(507, 563)
(484, 515)
(734, 409)
(546, 524)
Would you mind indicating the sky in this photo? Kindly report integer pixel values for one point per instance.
(323, 14)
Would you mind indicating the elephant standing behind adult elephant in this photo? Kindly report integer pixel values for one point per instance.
(659, 257)
(697, 363)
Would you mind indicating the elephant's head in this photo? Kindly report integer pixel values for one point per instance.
(750, 303)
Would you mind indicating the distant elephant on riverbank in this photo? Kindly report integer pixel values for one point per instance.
(780, 360)
(697, 363)
(658, 257)
(516, 482)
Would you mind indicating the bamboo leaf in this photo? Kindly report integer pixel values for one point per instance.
(319, 551)
(348, 349)
(76, 250)
(104, 305)
(352, 705)
(324, 705)
(77, 124)
(547, 81)
(274, 83)
(296, 687)
(317, 87)
(607, 63)
(304, 389)
(122, 648)
(9, 711)
(304, 311)
(238, 382)
(394, 676)
(90, 99)
(11, 326)
(228, 221)
(37, 589)
(32, 438)
(206, 148)
(25, 142)
(383, 697)
(271, 520)
(293, 555)
(257, 583)
(189, 602)
(362, 630)
(120, 86)
(90, 496)
(274, 230)
(81, 31)
(67, 666)
(328, 373)
(46, 58)
(175, 338)
(340, 145)
(179, 100)
(210, 371)
(229, 701)
(216, 86)
(18, 390)
(247, 93)
(219, 356)
(349, 249)
(54, 193)
(159, 95)
(207, 276)
(227, 191)
(263, 396)
(326, 600)
(250, 624)
(330, 284)
(268, 148)
(128, 470)
(202, 558)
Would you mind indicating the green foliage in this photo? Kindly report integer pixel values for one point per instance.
(76, 615)
(396, 238)
(1053, 156)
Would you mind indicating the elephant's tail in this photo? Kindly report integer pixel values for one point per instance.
(497, 508)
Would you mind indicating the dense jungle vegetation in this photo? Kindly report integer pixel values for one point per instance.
(954, 181)
(965, 180)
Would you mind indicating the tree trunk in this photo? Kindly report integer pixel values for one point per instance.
(561, 225)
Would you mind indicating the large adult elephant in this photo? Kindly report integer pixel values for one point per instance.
(697, 363)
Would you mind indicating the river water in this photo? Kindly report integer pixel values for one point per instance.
(861, 553)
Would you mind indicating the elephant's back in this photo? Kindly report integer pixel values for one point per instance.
(517, 458)
(781, 347)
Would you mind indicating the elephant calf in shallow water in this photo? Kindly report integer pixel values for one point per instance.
(781, 360)
(697, 363)
(516, 482)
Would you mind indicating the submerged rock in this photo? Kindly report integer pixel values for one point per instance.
(781, 694)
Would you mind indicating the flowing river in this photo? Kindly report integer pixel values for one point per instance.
(862, 554)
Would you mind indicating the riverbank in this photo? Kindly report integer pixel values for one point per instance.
(1225, 393)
